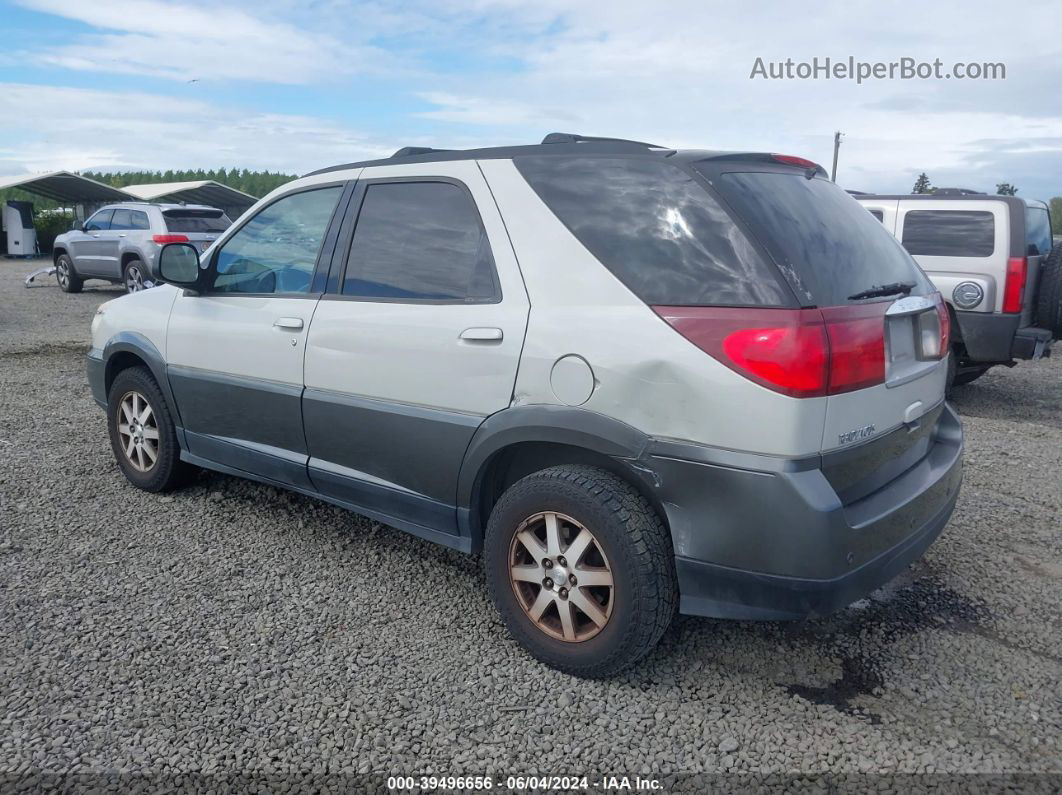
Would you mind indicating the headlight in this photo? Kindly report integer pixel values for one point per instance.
(967, 295)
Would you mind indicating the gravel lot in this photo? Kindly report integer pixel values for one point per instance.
(234, 627)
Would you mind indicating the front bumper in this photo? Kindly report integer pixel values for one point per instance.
(760, 538)
(96, 371)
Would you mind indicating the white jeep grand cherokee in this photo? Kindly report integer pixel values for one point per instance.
(634, 378)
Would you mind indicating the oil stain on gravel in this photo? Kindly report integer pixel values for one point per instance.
(879, 622)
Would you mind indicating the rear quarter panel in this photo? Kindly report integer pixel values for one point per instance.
(644, 373)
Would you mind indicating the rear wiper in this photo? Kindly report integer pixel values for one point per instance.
(896, 288)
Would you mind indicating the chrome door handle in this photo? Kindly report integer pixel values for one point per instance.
(95, 235)
(483, 334)
(122, 234)
(291, 323)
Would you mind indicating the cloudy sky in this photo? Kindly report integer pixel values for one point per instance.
(294, 85)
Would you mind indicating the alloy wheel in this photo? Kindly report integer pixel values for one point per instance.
(138, 431)
(62, 273)
(134, 279)
(561, 577)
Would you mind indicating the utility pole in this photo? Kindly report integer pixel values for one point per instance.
(836, 148)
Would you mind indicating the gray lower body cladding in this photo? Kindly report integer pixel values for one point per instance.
(778, 542)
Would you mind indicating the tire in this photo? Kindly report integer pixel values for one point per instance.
(629, 546)
(133, 276)
(136, 388)
(1049, 297)
(66, 276)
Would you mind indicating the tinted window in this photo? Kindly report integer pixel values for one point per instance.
(658, 231)
(949, 233)
(196, 221)
(1037, 231)
(101, 220)
(121, 220)
(275, 252)
(879, 215)
(418, 241)
(825, 241)
(139, 220)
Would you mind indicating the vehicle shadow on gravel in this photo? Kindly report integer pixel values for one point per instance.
(1012, 395)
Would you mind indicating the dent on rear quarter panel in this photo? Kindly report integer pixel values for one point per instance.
(646, 374)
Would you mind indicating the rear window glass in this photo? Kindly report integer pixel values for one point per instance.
(879, 215)
(949, 233)
(196, 221)
(824, 240)
(656, 229)
(1037, 232)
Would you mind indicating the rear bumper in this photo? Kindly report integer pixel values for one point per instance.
(778, 543)
(993, 338)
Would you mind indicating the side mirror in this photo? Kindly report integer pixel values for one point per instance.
(77, 226)
(178, 264)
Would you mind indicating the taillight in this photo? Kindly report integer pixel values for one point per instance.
(798, 352)
(170, 238)
(857, 345)
(1017, 271)
(945, 326)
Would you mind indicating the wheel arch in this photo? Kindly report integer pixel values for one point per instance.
(516, 442)
(131, 349)
(57, 251)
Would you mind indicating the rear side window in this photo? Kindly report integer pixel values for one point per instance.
(825, 241)
(949, 233)
(196, 221)
(879, 215)
(656, 229)
(1037, 232)
(139, 220)
(419, 241)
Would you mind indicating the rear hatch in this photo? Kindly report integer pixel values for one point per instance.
(886, 327)
(200, 226)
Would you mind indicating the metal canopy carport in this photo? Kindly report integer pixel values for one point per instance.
(67, 187)
(204, 191)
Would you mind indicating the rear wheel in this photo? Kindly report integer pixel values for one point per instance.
(1049, 298)
(581, 569)
(66, 276)
(133, 276)
(143, 434)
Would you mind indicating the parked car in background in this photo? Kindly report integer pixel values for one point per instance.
(119, 243)
(638, 379)
(994, 261)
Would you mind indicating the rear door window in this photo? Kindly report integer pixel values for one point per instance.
(949, 233)
(1037, 232)
(824, 241)
(420, 241)
(656, 229)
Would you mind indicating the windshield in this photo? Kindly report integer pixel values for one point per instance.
(825, 242)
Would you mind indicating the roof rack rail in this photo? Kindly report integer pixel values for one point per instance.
(407, 151)
(573, 138)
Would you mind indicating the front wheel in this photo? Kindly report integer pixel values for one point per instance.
(581, 569)
(143, 434)
(66, 276)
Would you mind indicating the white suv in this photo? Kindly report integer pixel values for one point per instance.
(993, 260)
(636, 379)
